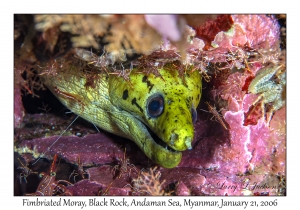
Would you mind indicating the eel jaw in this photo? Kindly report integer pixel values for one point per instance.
(160, 152)
(164, 157)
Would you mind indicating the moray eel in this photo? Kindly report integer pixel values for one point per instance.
(164, 105)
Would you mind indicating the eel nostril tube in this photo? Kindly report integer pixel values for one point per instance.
(188, 143)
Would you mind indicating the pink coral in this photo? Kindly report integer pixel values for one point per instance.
(92, 148)
(256, 31)
(208, 31)
(182, 189)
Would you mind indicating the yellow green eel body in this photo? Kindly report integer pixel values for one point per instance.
(164, 104)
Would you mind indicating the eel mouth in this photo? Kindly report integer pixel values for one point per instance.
(160, 142)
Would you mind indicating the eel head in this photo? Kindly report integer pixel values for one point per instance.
(166, 107)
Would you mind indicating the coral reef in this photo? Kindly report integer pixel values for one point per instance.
(148, 183)
(247, 156)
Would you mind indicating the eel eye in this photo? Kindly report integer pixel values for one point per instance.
(155, 105)
(194, 115)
